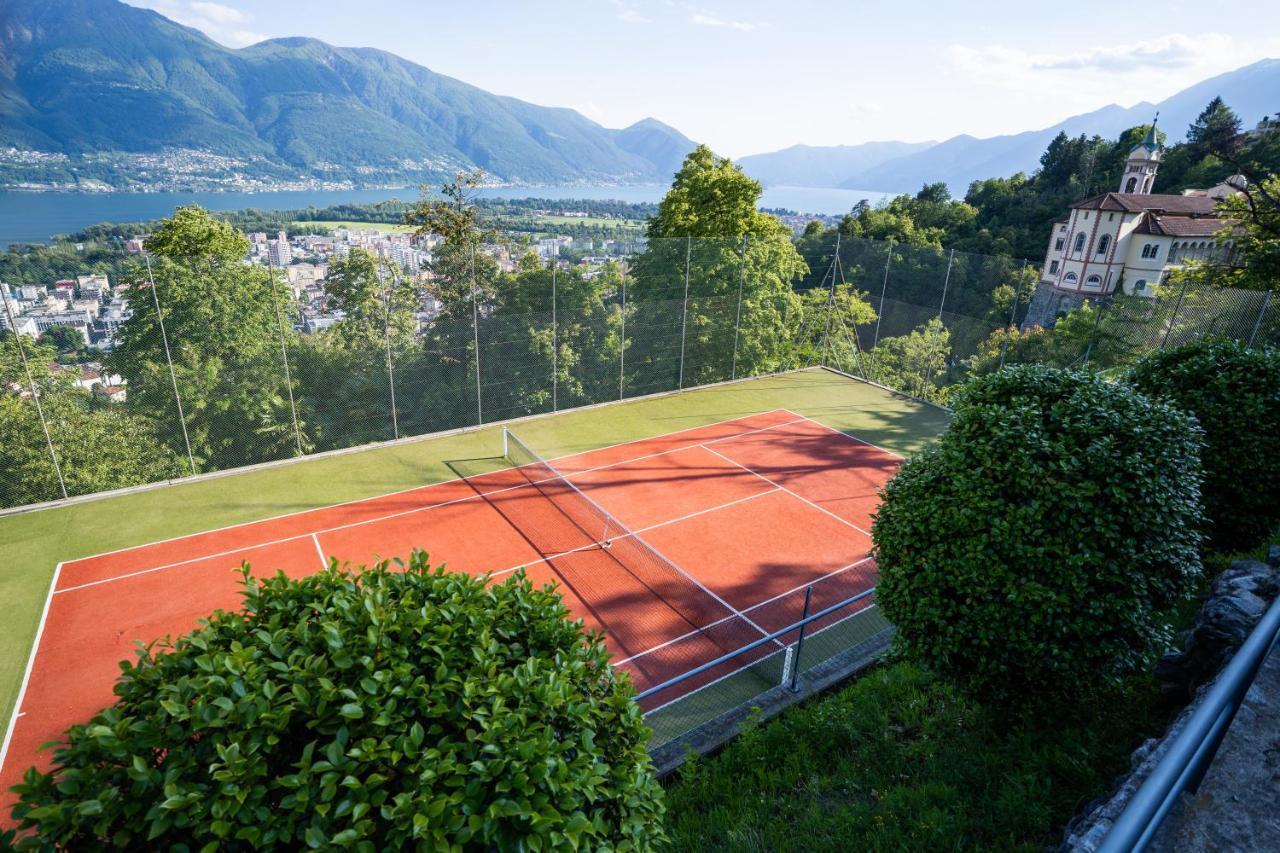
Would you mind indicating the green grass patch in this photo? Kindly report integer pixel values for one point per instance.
(898, 760)
(384, 227)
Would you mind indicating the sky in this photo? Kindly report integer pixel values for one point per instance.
(747, 77)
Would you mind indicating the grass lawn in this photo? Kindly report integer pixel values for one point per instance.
(898, 760)
(33, 543)
(385, 227)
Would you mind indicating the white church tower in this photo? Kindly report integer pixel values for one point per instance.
(1140, 169)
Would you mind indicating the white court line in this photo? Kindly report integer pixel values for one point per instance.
(402, 513)
(793, 494)
(595, 545)
(428, 485)
(324, 563)
(749, 664)
(756, 606)
(840, 432)
(31, 662)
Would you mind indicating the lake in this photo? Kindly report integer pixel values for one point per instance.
(27, 217)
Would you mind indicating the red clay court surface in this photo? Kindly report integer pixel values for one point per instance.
(752, 509)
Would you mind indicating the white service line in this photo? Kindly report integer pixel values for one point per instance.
(793, 494)
(324, 563)
(756, 606)
(402, 513)
(841, 432)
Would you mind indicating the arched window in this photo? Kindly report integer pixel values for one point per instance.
(1080, 242)
(1131, 185)
(1155, 250)
(1093, 281)
(1140, 285)
(1104, 244)
(1173, 252)
(1070, 278)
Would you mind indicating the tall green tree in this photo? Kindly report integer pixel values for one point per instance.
(223, 323)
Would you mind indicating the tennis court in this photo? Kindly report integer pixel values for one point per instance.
(678, 548)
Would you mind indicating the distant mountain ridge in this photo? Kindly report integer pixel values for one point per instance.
(80, 76)
(824, 166)
(1252, 91)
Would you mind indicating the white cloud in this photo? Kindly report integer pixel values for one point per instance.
(627, 13)
(865, 107)
(1174, 51)
(705, 20)
(222, 23)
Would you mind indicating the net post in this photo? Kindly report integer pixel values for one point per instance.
(506, 444)
(1262, 312)
(795, 668)
(786, 664)
(684, 312)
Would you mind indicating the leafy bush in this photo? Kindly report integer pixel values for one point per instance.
(1234, 393)
(1031, 551)
(368, 709)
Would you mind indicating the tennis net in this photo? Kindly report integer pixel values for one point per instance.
(592, 526)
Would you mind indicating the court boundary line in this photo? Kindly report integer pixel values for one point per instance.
(388, 516)
(496, 424)
(31, 663)
(793, 494)
(854, 438)
(746, 666)
(756, 606)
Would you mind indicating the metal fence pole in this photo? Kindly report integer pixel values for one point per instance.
(737, 320)
(1186, 280)
(1266, 300)
(475, 331)
(1093, 335)
(946, 282)
(391, 371)
(555, 340)
(622, 348)
(795, 660)
(168, 357)
(284, 355)
(831, 297)
(684, 313)
(884, 286)
(35, 392)
(1013, 311)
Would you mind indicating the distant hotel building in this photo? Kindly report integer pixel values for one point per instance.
(1131, 239)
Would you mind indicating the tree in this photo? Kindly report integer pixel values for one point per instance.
(222, 328)
(378, 302)
(736, 265)
(377, 708)
(915, 363)
(64, 339)
(985, 582)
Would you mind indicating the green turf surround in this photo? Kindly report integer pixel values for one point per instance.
(32, 544)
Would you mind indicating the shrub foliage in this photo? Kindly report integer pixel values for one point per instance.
(367, 709)
(1031, 551)
(1234, 393)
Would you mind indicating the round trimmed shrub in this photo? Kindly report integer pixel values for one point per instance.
(367, 709)
(1234, 393)
(1029, 553)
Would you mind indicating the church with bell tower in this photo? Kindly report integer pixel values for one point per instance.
(1130, 239)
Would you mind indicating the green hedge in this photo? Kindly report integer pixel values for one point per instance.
(1031, 551)
(1234, 393)
(368, 709)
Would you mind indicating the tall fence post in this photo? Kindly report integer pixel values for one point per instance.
(831, 297)
(1186, 280)
(35, 391)
(555, 338)
(684, 312)
(884, 286)
(795, 660)
(475, 332)
(1257, 324)
(284, 355)
(946, 282)
(1013, 311)
(168, 357)
(622, 344)
(1093, 334)
(391, 371)
(737, 320)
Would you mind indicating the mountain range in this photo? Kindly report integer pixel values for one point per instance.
(1252, 91)
(85, 76)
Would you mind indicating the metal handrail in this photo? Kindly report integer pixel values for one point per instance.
(754, 644)
(1183, 767)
